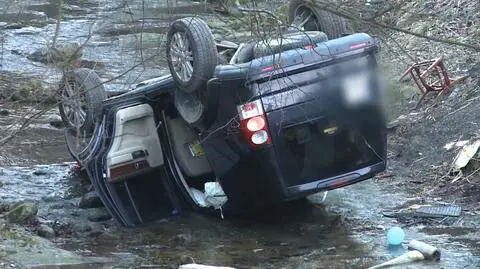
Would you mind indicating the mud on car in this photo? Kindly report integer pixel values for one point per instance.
(235, 127)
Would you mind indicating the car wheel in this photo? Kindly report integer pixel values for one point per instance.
(81, 96)
(287, 42)
(191, 53)
(305, 14)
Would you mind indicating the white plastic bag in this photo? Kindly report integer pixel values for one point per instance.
(199, 197)
(214, 195)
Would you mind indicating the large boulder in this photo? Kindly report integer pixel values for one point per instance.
(45, 231)
(90, 200)
(61, 53)
(22, 212)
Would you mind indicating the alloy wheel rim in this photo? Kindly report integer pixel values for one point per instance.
(304, 15)
(74, 105)
(181, 56)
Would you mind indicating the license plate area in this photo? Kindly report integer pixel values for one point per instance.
(319, 148)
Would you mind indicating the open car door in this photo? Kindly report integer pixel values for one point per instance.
(129, 167)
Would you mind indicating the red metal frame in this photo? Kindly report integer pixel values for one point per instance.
(435, 68)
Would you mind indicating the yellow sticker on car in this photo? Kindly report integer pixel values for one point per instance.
(330, 130)
(196, 149)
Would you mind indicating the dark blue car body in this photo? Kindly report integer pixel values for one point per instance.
(319, 141)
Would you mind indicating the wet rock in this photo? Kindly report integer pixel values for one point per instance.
(22, 18)
(98, 215)
(40, 172)
(133, 28)
(90, 200)
(95, 233)
(108, 237)
(81, 227)
(4, 112)
(22, 213)
(62, 53)
(182, 239)
(45, 231)
(16, 52)
(474, 73)
(63, 205)
(95, 65)
(57, 124)
(26, 31)
(20, 87)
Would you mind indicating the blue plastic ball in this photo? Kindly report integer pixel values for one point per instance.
(395, 235)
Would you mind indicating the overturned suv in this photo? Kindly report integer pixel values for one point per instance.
(233, 127)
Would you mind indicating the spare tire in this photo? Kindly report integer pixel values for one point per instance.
(320, 20)
(81, 96)
(191, 53)
(287, 42)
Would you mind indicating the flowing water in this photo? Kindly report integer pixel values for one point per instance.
(344, 231)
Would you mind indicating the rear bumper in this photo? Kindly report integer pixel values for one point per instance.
(331, 183)
(252, 179)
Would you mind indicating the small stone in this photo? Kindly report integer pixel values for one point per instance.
(106, 236)
(99, 215)
(90, 200)
(182, 239)
(57, 124)
(40, 172)
(95, 234)
(82, 227)
(45, 231)
(63, 205)
(22, 213)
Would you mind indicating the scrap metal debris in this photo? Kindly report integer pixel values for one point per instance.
(464, 156)
(457, 144)
(432, 77)
(426, 211)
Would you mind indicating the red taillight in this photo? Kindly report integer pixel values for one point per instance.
(310, 47)
(270, 68)
(253, 124)
(358, 46)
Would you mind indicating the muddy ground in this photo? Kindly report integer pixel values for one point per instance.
(346, 230)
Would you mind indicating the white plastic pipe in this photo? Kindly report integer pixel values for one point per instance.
(408, 257)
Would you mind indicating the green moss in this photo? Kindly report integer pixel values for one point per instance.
(18, 238)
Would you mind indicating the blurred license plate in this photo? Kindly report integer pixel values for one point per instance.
(356, 89)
